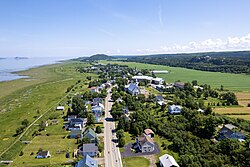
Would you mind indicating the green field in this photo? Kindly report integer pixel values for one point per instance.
(135, 161)
(30, 98)
(237, 82)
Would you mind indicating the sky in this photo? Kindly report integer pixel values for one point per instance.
(73, 28)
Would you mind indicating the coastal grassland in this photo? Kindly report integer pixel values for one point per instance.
(135, 161)
(234, 82)
(31, 98)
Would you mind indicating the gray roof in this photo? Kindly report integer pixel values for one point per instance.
(133, 87)
(225, 131)
(91, 147)
(90, 133)
(87, 161)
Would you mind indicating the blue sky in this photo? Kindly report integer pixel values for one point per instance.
(36, 28)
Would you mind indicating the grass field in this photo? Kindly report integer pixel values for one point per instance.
(29, 98)
(237, 82)
(135, 162)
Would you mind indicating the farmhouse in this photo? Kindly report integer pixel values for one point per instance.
(167, 161)
(43, 154)
(87, 161)
(144, 144)
(174, 109)
(226, 133)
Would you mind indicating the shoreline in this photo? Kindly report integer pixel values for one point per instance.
(17, 74)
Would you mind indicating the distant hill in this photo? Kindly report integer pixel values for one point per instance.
(95, 57)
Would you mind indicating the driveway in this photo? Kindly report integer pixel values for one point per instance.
(128, 152)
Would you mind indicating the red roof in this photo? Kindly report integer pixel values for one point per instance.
(148, 131)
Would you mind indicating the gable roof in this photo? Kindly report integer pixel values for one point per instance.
(225, 131)
(90, 132)
(148, 131)
(76, 120)
(87, 161)
(168, 161)
(90, 147)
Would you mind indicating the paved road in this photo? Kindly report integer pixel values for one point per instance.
(112, 153)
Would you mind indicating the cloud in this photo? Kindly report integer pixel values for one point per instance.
(160, 15)
(230, 44)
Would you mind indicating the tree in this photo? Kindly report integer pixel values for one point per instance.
(19, 130)
(98, 129)
(25, 123)
(120, 134)
(78, 106)
(91, 119)
(208, 110)
(194, 83)
(121, 142)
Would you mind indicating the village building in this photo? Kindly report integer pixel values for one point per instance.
(87, 161)
(174, 109)
(226, 133)
(133, 89)
(43, 154)
(167, 161)
(89, 149)
(144, 144)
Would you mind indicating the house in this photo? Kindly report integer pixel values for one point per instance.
(157, 81)
(174, 109)
(133, 89)
(43, 154)
(179, 85)
(76, 124)
(125, 110)
(89, 149)
(87, 161)
(98, 110)
(94, 90)
(149, 133)
(89, 133)
(167, 161)
(60, 108)
(75, 134)
(226, 133)
(97, 101)
(144, 144)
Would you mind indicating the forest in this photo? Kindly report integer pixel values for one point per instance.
(227, 62)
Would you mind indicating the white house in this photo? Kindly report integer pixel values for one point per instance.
(174, 109)
(167, 161)
(144, 143)
(98, 110)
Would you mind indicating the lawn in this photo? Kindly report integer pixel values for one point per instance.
(128, 139)
(215, 79)
(135, 162)
(56, 144)
(29, 98)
